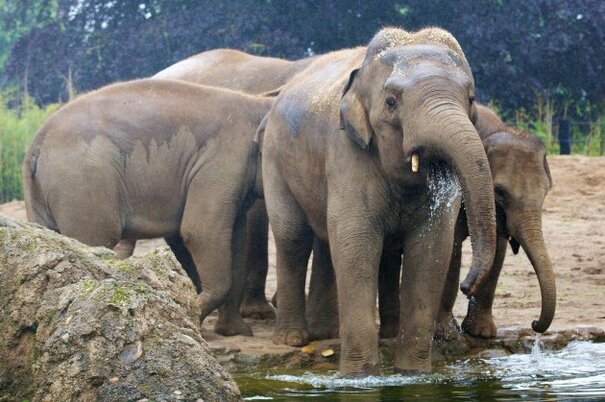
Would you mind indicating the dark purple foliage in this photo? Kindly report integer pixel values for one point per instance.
(516, 48)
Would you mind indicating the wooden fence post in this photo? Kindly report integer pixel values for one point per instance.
(564, 137)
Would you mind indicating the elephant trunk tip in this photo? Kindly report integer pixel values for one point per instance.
(471, 282)
(540, 326)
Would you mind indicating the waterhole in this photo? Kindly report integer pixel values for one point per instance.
(573, 373)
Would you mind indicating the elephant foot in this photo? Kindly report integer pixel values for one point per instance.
(413, 366)
(366, 370)
(232, 327)
(258, 309)
(290, 337)
(319, 331)
(408, 372)
(480, 325)
(389, 329)
(447, 328)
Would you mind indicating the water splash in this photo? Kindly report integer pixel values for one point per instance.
(333, 381)
(575, 372)
(536, 355)
(444, 189)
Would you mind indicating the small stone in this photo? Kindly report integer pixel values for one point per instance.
(177, 392)
(131, 353)
(113, 380)
(65, 337)
(492, 353)
(327, 352)
(187, 339)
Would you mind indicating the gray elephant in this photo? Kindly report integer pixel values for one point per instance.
(233, 69)
(372, 149)
(155, 158)
(522, 179)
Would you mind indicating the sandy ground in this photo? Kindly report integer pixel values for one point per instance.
(574, 229)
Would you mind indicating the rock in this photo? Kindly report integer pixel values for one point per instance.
(491, 353)
(78, 324)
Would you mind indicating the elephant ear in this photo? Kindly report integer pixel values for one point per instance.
(353, 117)
(473, 113)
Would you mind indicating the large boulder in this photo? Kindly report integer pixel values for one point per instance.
(78, 324)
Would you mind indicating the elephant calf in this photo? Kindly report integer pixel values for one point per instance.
(153, 158)
(521, 181)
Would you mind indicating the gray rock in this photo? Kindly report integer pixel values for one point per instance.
(78, 324)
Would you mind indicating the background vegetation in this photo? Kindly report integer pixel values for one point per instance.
(534, 60)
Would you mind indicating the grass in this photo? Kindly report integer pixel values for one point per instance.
(17, 129)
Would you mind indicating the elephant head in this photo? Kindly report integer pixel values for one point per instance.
(521, 181)
(412, 101)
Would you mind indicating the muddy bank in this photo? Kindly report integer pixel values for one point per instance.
(241, 353)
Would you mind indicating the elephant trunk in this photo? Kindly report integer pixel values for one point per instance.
(529, 235)
(454, 138)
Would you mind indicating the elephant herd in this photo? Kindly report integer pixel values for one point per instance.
(377, 159)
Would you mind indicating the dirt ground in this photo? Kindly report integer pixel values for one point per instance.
(574, 229)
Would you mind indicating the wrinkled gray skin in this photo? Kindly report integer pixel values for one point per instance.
(233, 69)
(521, 181)
(155, 158)
(258, 74)
(406, 94)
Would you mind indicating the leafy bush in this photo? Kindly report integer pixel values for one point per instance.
(519, 50)
(17, 129)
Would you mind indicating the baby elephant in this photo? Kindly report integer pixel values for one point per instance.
(153, 158)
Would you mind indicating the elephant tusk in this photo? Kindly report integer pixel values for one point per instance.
(415, 163)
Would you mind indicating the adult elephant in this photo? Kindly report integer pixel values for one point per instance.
(521, 181)
(233, 69)
(154, 158)
(388, 179)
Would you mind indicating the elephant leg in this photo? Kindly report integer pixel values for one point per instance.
(356, 249)
(426, 260)
(184, 258)
(101, 228)
(207, 229)
(293, 242)
(479, 320)
(322, 301)
(125, 248)
(447, 326)
(230, 321)
(388, 293)
(255, 304)
(292, 257)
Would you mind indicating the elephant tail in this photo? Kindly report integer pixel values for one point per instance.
(260, 131)
(36, 205)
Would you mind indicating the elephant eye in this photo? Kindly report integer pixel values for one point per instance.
(471, 99)
(391, 103)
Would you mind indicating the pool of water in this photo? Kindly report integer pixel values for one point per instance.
(575, 372)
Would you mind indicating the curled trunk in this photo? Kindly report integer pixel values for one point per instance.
(456, 141)
(531, 239)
